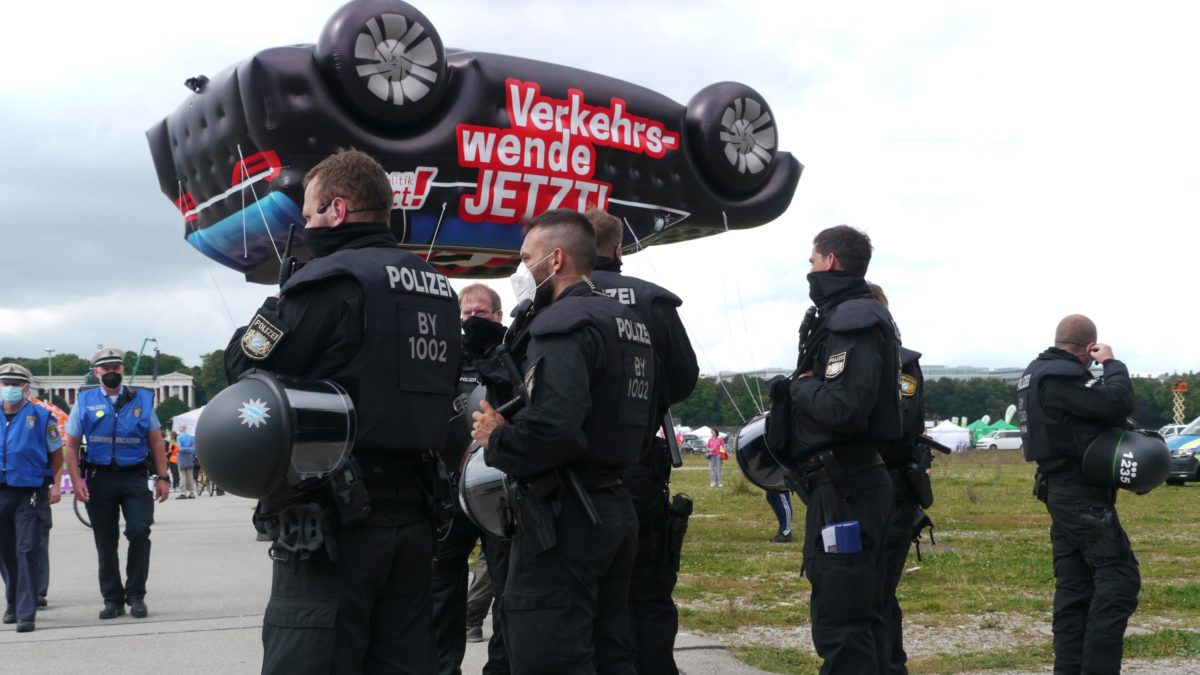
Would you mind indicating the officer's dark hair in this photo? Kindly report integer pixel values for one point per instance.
(608, 230)
(878, 294)
(571, 232)
(852, 247)
(356, 177)
(481, 289)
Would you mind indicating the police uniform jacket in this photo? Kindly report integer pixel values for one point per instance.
(851, 403)
(658, 309)
(375, 319)
(905, 450)
(589, 369)
(116, 432)
(26, 441)
(1062, 408)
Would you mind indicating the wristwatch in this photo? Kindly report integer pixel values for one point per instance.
(168, 480)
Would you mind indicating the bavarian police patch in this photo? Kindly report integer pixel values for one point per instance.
(260, 338)
(52, 431)
(835, 365)
(30, 421)
(137, 412)
(908, 385)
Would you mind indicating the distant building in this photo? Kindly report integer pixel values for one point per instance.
(178, 385)
(1008, 375)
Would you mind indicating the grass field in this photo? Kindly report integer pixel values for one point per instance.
(977, 601)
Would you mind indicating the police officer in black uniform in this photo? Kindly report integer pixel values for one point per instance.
(1062, 409)
(908, 463)
(382, 324)
(588, 369)
(845, 406)
(481, 313)
(654, 617)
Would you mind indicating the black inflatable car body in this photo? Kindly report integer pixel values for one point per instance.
(473, 142)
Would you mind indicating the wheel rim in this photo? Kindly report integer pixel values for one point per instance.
(748, 132)
(394, 58)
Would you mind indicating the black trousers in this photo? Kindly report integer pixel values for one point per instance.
(45, 521)
(566, 610)
(453, 552)
(654, 618)
(895, 554)
(113, 494)
(847, 588)
(20, 529)
(1096, 583)
(369, 612)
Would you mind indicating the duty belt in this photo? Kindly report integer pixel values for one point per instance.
(104, 468)
(1057, 487)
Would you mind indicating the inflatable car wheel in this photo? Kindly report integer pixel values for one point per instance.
(386, 60)
(731, 132)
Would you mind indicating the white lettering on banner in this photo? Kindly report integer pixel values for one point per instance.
(551, 143)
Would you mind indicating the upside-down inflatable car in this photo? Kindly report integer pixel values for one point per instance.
(473, 143)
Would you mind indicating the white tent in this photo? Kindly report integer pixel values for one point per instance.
(186, 421)
(951, 435)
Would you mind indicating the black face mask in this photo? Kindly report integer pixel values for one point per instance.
(321, 241)
(111, 379)
(480, 335)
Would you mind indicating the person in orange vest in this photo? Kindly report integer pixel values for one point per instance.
(173, 459)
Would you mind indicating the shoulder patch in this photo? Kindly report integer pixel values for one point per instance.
(835, 366)
(1023, 383)
(908, 385)
(261, 338)
(531, 379)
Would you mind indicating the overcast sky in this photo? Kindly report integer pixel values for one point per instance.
(1012, 163)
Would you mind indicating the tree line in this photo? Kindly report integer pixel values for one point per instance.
(209, 376)
(733, 400)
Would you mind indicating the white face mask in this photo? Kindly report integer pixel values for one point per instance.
(523, 283)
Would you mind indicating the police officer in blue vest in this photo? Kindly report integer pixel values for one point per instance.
(660, 529)
(124, 443)
(587, 367)
(1062, 409)
(29, 458)
(384, 325)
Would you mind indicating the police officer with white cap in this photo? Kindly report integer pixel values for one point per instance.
(29, 458)
(124, 440)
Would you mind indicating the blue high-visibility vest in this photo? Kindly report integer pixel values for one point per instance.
(116, 436)
(24, 450)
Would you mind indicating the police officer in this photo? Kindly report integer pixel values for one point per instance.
(382, 324)
(123, 441)
(29, 458)
(587, 366)
(908, 465)
(1062, 408)
(654, 617)
(845, 405)
(481, 313)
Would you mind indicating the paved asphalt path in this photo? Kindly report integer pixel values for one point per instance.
(209, 582)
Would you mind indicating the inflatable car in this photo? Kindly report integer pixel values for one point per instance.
(473, 144)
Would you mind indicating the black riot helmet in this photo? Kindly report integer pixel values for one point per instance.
(483, 493)
(756, 460)
(458, 430)
(271, 436)
(1132, 460)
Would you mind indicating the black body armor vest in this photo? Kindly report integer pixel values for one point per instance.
(403, 379)
(912, 388)
(883, 421)
(1042, 435)
(622, 409)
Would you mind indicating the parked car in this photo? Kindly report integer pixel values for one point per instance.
(1168, 430)
(1004, 439)
(1185, 455)
(695, 446)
